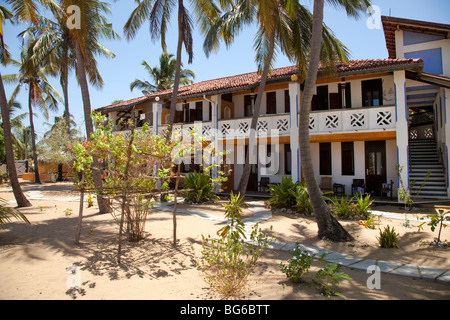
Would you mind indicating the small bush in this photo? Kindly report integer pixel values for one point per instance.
(298, 266)
(282, 194)
(388, 238)
(228, 261)
(343, 208)
(200, 187)
(302, 201)
(330, 276)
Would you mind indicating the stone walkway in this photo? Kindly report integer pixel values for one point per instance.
(260, 213)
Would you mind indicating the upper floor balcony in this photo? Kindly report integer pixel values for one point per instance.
(350, 120)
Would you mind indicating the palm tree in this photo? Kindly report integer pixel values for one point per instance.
(41, 93)
(86, 46)
(163, 76)
(328, 226)
(279, 26)
(24, 10)
(158, 13)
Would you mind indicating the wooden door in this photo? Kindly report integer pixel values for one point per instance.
(375, 166)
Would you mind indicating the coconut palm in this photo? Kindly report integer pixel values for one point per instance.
(86, 46)
(328, 226)
(158, 13)
(41, 93)
(282, 26)
(163, 76)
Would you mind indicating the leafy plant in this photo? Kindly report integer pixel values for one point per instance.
(299, 265)
(199, 187)
(329, 277)
(344, 207)
(301, 195)
(435, 221)
(228, 261)
(283, 194)
(388, 238)
(363, 204)
(369, 223)
(7, 213)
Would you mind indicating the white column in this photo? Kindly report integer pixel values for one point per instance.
(401, 115)
(445, 96)
(157, 110)
(294, 101)
(215, 111)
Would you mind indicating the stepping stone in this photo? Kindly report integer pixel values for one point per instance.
(342, 259)
(386, 266)
(430, 273)
(364, 264)
(408, 270)
(445, 277)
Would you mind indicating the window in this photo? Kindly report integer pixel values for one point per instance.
(372, 93)
(287, 159)
(325, 158)
(186, 112)
(345, 95)
(348, 159)
(287, 102)
(271, 102)
(320, 100)
(197, 112)
(248, 105)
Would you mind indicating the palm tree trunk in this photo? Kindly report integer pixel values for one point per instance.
(329, 227)
(37, 178)
(102, 203)
(176, 83)
(65, 86)
(21, 200)
(251, 140)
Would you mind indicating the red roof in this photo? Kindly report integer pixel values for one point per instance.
(251, 80)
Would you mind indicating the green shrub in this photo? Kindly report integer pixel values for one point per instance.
(388, 238)
(199, 186)
(363, 205)
(282, 194)
(298, 266)
(343, 208)
(330, 276)
(301, 195)
(228, 262)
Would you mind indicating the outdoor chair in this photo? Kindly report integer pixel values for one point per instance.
(263, 184)
(387, 188)
(358, 186)
(326, 184)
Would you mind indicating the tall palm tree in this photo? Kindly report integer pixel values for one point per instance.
(280, 24)
(158, 13)
(163, 76)
(41, 93)
(24, 10)
(85, 43)
(328, 226)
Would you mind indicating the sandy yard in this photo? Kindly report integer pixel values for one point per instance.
(34, 258)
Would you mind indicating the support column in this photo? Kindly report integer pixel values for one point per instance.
(446, 156)
(215, 111)
(294, 101)
(401, 116)
(157, 111)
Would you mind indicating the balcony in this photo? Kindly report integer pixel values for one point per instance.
(351, 120)
(320, 122)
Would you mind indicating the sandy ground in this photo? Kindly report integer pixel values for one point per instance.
(34, 258)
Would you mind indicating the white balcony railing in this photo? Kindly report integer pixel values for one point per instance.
(358, 119)
(320, 122)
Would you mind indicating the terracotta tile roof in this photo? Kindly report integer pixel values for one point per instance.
(390, 25)
(251, 80)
